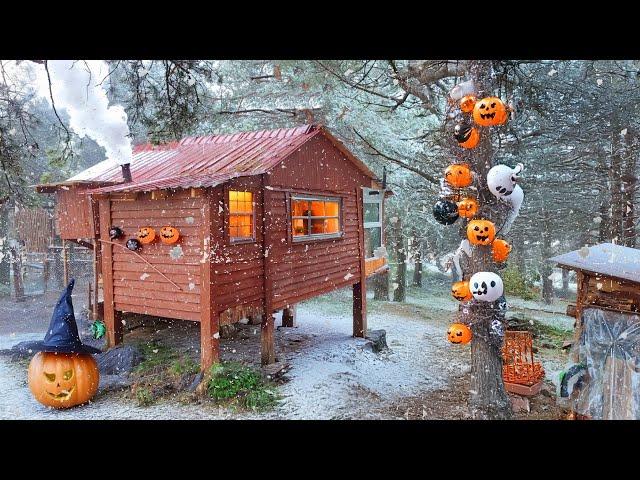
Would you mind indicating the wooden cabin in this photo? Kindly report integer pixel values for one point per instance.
(607, 328)
(266, 219)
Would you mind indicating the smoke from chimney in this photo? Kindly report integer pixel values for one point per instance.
(77, 88)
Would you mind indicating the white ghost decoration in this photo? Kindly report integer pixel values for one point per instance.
(501, 179)
(486, 286)
(462, 89)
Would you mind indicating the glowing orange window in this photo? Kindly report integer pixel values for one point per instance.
(315, 217)
(241, 216)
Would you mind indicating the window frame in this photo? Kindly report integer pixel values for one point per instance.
(378, 199)
(315, 237)
(240, 240)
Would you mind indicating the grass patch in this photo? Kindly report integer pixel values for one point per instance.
(542, 332)
(238, 385)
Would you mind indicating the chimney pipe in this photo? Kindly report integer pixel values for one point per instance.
(126, 173)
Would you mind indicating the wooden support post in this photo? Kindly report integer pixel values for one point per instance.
(209, 340)
(112, 318)
(267, 340)
(18, 286)
(46, 272)
(360, 309)
(289, 316)
(96, 269)
(115, 327)
(255, 319)
(360, 288)
(65, 263)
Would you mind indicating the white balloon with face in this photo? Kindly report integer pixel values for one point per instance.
(501, 179)
(486, 286)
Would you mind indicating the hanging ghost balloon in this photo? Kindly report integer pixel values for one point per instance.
(486, 286)
(462, 89)
(501, 181)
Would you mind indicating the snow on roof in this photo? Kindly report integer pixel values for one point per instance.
(607, 259)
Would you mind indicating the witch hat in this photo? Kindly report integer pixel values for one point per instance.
(62, 336)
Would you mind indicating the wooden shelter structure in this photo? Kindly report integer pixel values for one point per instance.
(266, 219)
(607, 328)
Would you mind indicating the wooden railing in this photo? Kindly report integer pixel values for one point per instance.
(375, 265)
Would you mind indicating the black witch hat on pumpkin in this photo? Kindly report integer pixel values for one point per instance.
(62, 335)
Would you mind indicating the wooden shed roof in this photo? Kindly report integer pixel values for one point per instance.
(206, 161)
(607, 259)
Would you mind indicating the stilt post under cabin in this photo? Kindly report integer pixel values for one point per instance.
(289, 316)
(360, 288)
(65, 263)
(209, 317)
(112, 319)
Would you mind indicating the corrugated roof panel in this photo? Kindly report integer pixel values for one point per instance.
(608, 259)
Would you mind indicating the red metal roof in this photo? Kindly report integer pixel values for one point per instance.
(205, 161)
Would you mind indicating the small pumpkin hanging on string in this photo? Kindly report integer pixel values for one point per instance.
(481, 232)
(133, 244)
(459, 334)
(146, 235)
(458, 175)
(115, 233)
(466, 136)
(500, 250)
(489, 111)
(467, 207)
(461, 291)
(445, 212)
(467, 103)
(169, 235)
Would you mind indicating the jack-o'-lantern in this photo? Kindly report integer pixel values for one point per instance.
(63, 380)
(458, 175)
(146, 235)
(461, 291)
(445, 212)
(467, 103)
(459, 333)
(133, 245)
(500, 250)
(466, 135)
(169, 235)
(489, 111)
(467, 207)
(481, 232)
(486, 286)
(115, 233)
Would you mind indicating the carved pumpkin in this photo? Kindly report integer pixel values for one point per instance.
(169, 235)
(489, 111)
(466, 135)
(461, 291)
(458, 175)
(500, 250)
(459, 333)
(467, 103)
(445, 212)
(467, 207)
(133, 244)
(115, 233)
(63, 380)
(481, 232)
(146, 235)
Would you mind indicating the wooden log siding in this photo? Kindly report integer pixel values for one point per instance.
(75, 214)
(139, 288)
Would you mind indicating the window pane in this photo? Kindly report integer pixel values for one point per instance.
(317, 209)
(233, 196)
(372, 240)
(317, 226)
(233, 220)
(332, 209)
(332, 225)
(371, 212)
(299, 227)
(300, 208)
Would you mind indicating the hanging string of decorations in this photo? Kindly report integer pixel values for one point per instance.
(456, 200)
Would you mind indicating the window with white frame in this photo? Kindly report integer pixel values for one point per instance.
(314, 217)
(372, 208)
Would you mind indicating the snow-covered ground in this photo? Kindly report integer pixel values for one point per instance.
(333, 376)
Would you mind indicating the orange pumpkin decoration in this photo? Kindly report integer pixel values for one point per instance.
(63, 380)
(466, 135)
(467, 103)
(500, 250)
(489, 111)
(461, 291)
(146, 235)
(169, 235)
(459, 333)
(458, 175)
(467, 207)
(481, 232)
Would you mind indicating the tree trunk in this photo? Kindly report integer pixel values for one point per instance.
(18, 286)
(565, 283)
(629, 183)
(400, 281)
(5, 256)
(546, 269)
(488, 398)
(417, 270)
(381, 286)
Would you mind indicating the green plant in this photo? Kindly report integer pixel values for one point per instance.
(242, 385)
(156, 356)
(515, 283)
(144, 396)
(183, 366)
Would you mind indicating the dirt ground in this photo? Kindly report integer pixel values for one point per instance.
(328, 374)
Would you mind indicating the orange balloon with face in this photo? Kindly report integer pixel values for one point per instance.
(146, 235)
(489, 111)
(467, 103)
(458, 175)
(459, 333)
(467, 207)
(461, 291)
(500, 250)
(169, 235)
(481, 232)
(63, 380)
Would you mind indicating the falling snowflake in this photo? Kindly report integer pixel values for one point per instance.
(189, 220)
(552, 72)
(623, 131)
(144, 276)
(599, 82)
(176, 252)
(597, 219)
(192, 286)
(584, 252)
(348, 276)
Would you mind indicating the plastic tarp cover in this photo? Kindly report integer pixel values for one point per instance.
(610, 348)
